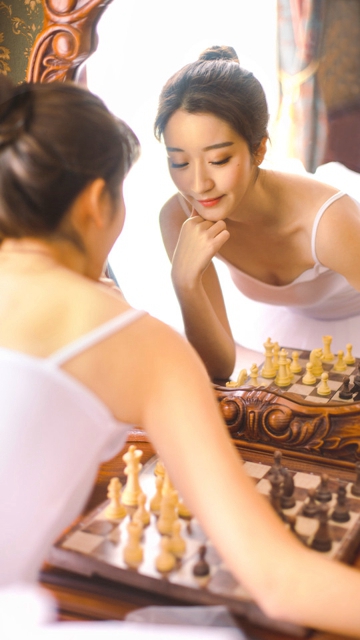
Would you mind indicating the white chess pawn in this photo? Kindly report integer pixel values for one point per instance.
(166, 560)
(295, 366)
(141, 514)
(349, 358)
(178, 544)
(115, 510)
(323, 388)
(155, 502)
(168, 513)
(340, 365)
(133, 553)
(309, 377)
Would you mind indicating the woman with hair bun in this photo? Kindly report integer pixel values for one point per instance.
(78, 366)
(289, 242)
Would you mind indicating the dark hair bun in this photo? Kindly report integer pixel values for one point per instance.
(14, 110)
(219, 53)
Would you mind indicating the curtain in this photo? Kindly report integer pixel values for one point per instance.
(319, 76)
(301, 125)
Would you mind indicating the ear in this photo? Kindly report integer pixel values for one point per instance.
(91, 207)
(260, 152)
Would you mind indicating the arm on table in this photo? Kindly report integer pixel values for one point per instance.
(191, 243)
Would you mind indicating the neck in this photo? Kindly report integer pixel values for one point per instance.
(62, 253)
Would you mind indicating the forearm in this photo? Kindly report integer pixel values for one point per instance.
(205, 331)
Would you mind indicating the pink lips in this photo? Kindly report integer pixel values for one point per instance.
(211, 202)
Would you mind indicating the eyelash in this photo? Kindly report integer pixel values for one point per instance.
(185, 164)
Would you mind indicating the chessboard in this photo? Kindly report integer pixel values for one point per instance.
(337, 381)
(95, 545)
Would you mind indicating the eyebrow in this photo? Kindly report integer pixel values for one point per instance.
(220, 145)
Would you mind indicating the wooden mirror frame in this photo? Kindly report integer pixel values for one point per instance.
(67, 39)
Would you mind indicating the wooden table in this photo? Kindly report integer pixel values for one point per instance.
(82, 598)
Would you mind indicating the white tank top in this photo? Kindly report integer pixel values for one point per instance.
(54, 434)
(318, 293)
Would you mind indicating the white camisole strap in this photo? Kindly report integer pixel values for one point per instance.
(96, 335)
(317, 219)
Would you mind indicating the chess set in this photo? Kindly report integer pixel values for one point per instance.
(316, 376)
(176, 559)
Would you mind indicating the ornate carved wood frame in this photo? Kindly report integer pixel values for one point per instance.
(67, 39)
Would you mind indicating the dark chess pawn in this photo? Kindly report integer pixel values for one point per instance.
(276, 480)
(356, 386)
(346, 393)
(287, 499)
(311, 507)
(322, 540)
(355, 487)
(323, 493)
(341, 510)
(277, 466)
(201, 568)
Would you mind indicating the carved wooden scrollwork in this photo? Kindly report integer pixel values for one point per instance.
(67, 39)
(270, 419)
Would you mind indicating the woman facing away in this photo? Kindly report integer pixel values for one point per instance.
(289, 241)
(78, 366)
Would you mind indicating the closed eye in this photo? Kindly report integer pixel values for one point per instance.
(176, 165)
(220, 162)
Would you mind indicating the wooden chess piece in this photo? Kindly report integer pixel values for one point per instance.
(132, 490)
(349, 358)
(323, 388)
(282, 378)
(295, 366)
(141, 512)
(322, 540)
(287, 499)
(340, 365)
(355, 487)
(309, 377)
(155, 502)
(115, 510)
(345, 392)
(323, 493)
(168, 513)
(240, 380)
(277, 466)
(178, 544)
(328, 356)
(276, 350)
(165, 561)
(201, 569)
(315, 359)
(268, 370)
(341, 510)
(133, 552)
(357, 379)
(276, 481)
(254, 371)
(311, 507)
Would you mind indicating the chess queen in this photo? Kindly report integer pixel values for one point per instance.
(290, 243)
(79, 366)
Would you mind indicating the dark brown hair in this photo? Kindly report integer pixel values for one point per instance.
(55, 139)
(216, 84)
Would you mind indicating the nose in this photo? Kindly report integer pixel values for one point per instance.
(202, 181)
